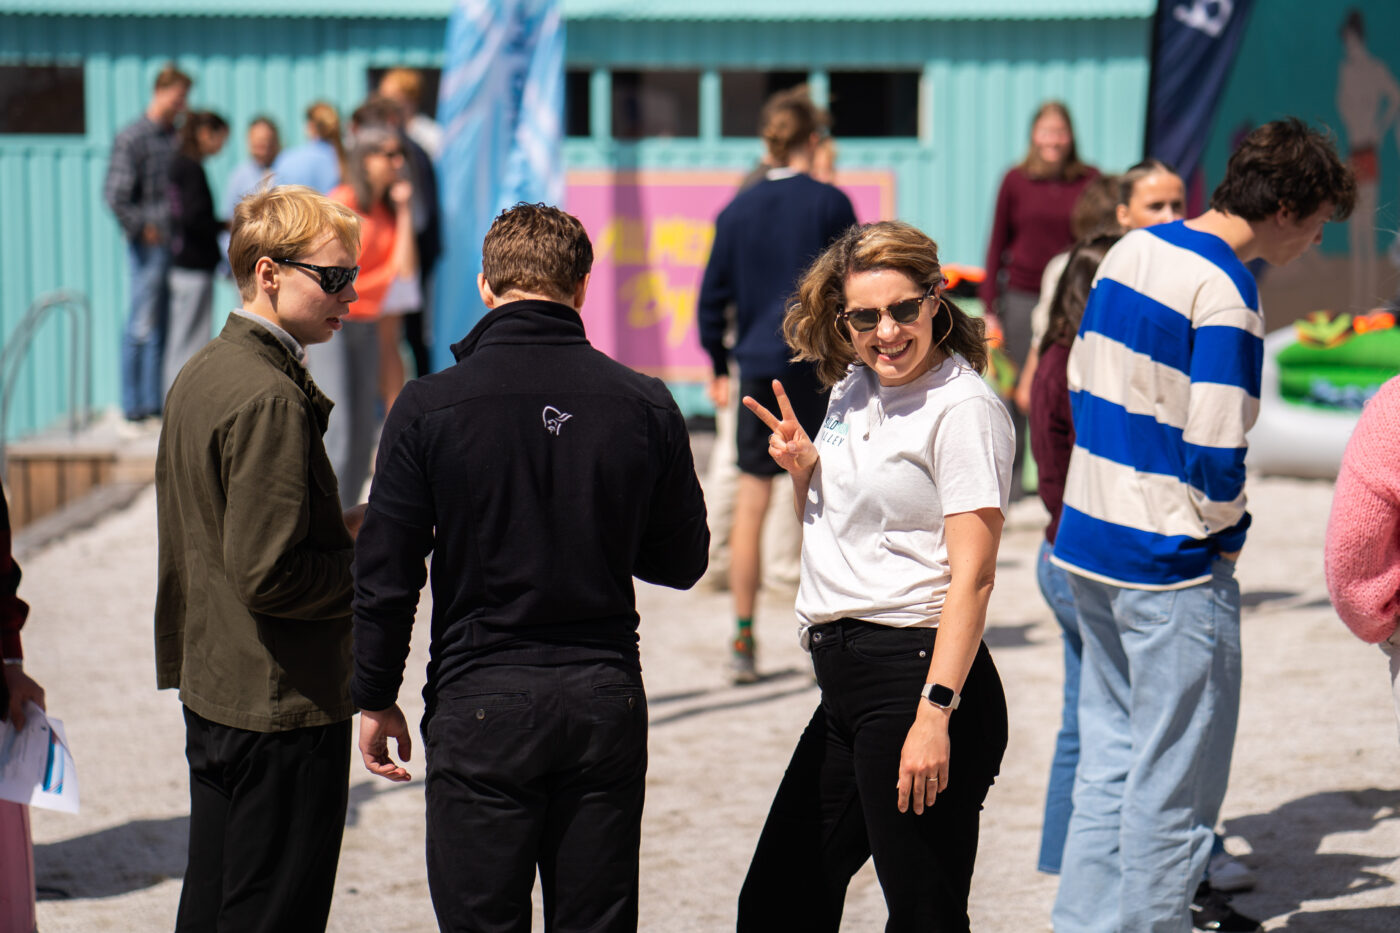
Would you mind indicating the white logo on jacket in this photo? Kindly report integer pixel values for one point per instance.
(554, 419)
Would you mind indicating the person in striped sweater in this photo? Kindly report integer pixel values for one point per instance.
(1164, 383)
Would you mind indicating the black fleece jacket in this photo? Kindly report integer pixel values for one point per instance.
(542, 476)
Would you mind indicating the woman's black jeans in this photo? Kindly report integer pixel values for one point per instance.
(837, 804)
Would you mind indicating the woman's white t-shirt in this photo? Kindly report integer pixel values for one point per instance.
(894, 460)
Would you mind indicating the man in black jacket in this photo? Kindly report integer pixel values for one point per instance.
(542, 476)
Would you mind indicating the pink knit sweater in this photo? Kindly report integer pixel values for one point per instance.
(1363, 532)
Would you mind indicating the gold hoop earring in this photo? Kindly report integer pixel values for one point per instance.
(943, 303)
(841, 331)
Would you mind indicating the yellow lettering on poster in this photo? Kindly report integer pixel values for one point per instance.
(683, 241)
(624, 241)
(650, 300)
(678, 241)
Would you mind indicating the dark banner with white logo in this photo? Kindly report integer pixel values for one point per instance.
(1194, 44)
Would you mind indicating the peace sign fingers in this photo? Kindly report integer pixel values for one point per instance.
(789, 445)
(764, 414)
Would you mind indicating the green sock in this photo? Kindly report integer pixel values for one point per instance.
(745, 627)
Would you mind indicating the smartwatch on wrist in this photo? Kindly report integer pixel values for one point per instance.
(941, 696)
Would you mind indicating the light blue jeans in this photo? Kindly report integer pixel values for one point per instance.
(1158, 705)
(191, 312)
(143, 338)
(1055, 587)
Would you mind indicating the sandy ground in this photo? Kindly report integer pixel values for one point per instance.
(1314, 802)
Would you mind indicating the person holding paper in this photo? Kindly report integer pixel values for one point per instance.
(16, 689)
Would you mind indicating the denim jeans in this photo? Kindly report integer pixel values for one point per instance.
(836, 806)
(1158, 706)
(143, 339)
(1391, 647)
(191, 313)
(1055, 587)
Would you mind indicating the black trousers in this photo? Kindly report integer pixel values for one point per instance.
(836, 805)
(537, 767)
(267, 811)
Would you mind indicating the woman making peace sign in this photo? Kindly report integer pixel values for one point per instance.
(902, 497)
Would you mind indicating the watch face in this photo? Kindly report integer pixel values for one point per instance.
(938, 694)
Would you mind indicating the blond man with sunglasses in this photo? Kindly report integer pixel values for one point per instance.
(253, 608)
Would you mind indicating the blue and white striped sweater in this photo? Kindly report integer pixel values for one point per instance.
(1164, 384)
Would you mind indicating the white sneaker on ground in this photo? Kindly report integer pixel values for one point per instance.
(1227, 873)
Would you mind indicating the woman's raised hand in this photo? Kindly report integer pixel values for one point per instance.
(788, 445)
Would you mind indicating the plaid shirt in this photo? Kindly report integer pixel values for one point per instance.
(12, 609)
(138, 177)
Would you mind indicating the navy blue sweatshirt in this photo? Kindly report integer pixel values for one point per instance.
(764, 240)
(542, 476)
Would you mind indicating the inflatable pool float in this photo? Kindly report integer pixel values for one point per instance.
(1317, 376)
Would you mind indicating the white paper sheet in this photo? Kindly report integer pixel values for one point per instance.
(36, 766)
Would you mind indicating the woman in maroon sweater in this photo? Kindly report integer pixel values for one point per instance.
(1031, 224)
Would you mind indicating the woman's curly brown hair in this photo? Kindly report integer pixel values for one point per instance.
(812, 326)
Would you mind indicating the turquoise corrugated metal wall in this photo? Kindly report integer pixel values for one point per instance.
(982, 81)
(55, 230)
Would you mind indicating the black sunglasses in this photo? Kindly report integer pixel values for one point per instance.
(333, 278)
(864, 320)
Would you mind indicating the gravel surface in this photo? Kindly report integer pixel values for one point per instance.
(1312, 808)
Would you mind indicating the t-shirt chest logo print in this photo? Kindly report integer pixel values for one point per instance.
(554, 419)
(834, 431)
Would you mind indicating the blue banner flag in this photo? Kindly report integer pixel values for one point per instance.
(1194, 43)
(501, 106)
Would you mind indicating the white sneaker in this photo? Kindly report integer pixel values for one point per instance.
(128, 430)
(1227, 873)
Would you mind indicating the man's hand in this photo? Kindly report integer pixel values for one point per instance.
(150, 235)
(376, 728)
(354, 518)
(718, 391)
(22, 689)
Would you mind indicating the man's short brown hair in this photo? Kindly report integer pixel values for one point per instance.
(1285, 165)
(538, 249)
(285, 222)
(170, 75)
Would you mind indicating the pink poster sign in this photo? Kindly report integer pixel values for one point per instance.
(651, 235)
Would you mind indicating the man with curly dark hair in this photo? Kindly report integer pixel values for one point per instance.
(1165, 380)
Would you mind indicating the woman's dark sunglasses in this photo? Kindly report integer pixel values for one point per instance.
(333, 278)
(864, 320)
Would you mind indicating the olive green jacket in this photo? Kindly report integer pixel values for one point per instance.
(253, 607)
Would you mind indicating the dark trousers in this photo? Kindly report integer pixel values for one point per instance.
(267, 811)
(836, 805)
(537, 767)
(1014, 309)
